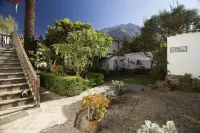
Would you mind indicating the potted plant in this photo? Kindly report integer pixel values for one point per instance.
(96, 106)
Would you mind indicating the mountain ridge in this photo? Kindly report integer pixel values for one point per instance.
(123, 31)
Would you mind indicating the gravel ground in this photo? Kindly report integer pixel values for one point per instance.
(131, 110)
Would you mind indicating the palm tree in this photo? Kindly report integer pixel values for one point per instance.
(29, 23)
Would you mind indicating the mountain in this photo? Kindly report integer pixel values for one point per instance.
(123, 31)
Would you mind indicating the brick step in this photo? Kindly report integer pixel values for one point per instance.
(5, 104)
(11, 94)
(9, 61)
(3, 65)
(11, 75)
(13, 87)
(12, 81)
(11, 70)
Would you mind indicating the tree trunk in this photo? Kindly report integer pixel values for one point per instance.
(29, 26)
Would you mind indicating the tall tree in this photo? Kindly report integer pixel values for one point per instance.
(165, 23)
(59, 32)
(29, 25)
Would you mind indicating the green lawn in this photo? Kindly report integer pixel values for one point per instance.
(133, 79)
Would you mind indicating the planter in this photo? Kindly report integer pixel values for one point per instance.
(92, 126)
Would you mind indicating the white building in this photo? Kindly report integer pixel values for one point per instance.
(115, 46)
(183, 52)
(130, 61)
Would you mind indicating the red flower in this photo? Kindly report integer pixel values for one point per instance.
(52, 67)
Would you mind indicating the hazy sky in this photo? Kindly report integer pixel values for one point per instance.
(99, 13)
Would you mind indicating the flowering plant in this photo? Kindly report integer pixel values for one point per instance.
(118, 86)
(56, 69)
(96, 106)
(155, 128)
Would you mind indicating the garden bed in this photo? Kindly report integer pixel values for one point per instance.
(131, 110)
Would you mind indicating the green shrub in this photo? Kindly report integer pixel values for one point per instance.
(188, 84)
(64, 85)
(95, 79)
(159, 68)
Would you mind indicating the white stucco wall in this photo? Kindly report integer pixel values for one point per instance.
(113, 47)
(184, 62)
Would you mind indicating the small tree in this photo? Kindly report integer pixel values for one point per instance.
(81, 47)
(160, 61)
(7, 25)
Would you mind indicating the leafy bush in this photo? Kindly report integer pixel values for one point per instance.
(64, 85)
(95, 79)
(155, 128)
(118, 86)
(188, 84)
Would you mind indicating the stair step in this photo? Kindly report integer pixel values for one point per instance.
(8, 57)
(8, 53)
(14, 109)
(4, 104)
(10, 65)
(13, 87)
(5, 86)
(11, 70)
(12, 81)
(9, 61)
(11, 55)
(11, 75)
(7, 49)
(20, 107)
(10, 94)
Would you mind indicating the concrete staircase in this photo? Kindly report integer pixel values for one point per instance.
(13, 82)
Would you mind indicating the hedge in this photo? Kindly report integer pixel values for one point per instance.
(95, 79)
(64, 85)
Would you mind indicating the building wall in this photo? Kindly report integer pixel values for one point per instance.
(113, 47)
(184, 62)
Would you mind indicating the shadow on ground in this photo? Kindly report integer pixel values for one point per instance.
(67, 127)
(46, 95)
